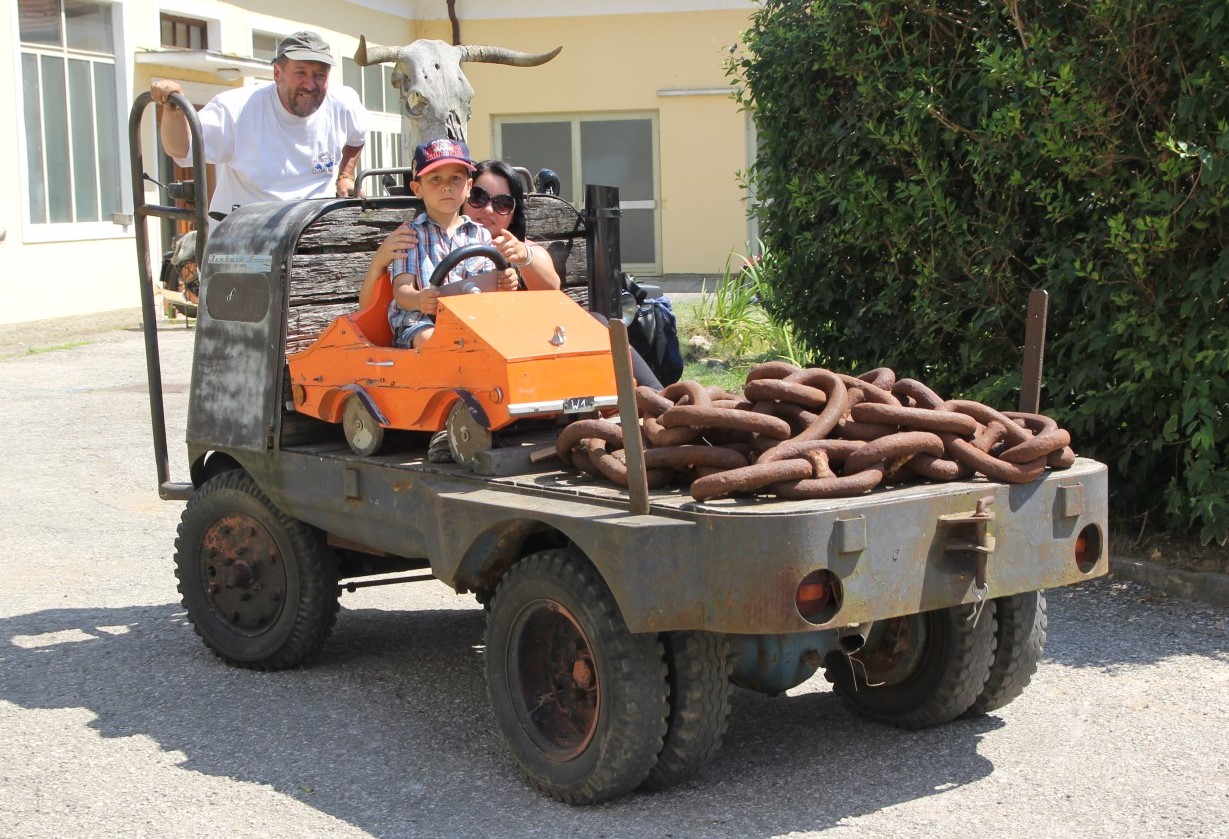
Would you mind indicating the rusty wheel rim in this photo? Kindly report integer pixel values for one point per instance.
(553, 680)
(243, 573)
(894, 651)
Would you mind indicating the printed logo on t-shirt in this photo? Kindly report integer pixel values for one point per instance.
(323, 162)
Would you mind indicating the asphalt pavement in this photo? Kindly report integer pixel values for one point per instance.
(116, 721)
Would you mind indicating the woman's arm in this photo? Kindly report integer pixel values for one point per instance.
(395, 246)
(534, 262)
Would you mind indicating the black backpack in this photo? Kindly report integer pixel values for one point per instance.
(654, 334)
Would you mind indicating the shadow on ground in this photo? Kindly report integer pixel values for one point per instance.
(390, 731)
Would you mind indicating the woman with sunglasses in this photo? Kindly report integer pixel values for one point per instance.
(497, 202)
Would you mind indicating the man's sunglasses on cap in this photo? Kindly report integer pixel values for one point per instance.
(502, 204)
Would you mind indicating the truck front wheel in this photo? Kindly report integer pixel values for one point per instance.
(260, 587)
(919, 670)
(580, 700)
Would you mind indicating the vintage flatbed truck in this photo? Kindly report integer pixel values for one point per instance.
(617, 621)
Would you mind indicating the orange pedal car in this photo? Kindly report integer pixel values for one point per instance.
(495, 358)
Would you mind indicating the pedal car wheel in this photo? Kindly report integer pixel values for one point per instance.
(363, 433)
(580, 701)
(260, 588)
(466, 436)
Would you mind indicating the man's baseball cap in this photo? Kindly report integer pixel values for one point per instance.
(305, 46)
(436, 153)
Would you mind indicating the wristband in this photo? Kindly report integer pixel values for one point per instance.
(528, 257)
(344, 177)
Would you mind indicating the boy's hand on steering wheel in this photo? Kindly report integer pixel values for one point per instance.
(429, 301)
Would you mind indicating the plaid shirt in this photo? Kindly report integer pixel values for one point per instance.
(434, 244)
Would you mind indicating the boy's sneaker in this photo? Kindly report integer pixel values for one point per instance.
(438, 450)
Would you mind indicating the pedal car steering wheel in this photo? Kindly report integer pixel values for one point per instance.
(460, 255)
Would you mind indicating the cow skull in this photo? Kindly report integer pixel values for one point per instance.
(435, 95)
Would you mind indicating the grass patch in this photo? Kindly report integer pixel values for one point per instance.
(71, 345)
(727, 331)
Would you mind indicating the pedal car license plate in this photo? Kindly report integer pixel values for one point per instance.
(577, 404)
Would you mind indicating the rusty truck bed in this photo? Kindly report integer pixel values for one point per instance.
(749, 554)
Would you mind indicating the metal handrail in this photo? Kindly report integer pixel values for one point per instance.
(142, 210)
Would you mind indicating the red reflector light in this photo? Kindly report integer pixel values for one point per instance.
(1088, 548)
(814, 594)
(818, 597)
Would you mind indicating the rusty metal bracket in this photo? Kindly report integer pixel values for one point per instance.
(968, 534)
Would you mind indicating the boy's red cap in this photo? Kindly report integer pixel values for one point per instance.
(436, 153)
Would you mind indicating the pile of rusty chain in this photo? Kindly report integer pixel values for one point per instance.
(812, 433)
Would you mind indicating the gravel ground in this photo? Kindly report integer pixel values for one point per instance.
(115, 720)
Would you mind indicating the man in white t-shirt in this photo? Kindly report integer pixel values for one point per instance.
(292, 139)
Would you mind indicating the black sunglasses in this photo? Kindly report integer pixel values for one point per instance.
(502, 204)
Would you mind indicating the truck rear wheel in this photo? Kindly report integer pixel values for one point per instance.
(919, 670)
(579, 699)
(698, 664)
(260, 587)
(1020, 635)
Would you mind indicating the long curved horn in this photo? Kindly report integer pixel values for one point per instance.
(365, 56)
(501, 55)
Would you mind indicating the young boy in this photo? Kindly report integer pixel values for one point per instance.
(442, 177)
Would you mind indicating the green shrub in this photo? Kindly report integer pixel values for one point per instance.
(923, 165)
(734, 314)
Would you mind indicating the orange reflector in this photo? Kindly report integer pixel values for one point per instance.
(813, 594)
(1088, 548)
(818, 596)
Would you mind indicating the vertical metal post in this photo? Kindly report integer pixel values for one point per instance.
(605, 262)
(1034, 351)
(629, 419)
(141, 212)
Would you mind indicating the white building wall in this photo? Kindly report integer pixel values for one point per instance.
(54, 270)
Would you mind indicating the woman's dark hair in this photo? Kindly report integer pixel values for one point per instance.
(516, 225)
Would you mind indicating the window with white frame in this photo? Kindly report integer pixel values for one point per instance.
(607, 149)
(184, 33)
(374, 85)
(264, 45)
(72, 153)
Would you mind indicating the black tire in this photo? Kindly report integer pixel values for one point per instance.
(698, 668)
(260, 587)
(580, 701)
(919, 670)
(1020, 636)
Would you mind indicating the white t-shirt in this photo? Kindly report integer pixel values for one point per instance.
(265, 153)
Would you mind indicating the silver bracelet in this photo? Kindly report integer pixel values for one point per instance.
(528, 257)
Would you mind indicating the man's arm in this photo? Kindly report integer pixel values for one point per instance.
(345, 171)
(174, 128)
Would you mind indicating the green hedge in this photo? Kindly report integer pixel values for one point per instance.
(923, 165)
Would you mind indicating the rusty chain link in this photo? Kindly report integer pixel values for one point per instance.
(812, 433)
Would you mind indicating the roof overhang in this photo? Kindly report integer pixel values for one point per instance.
(228, 68)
